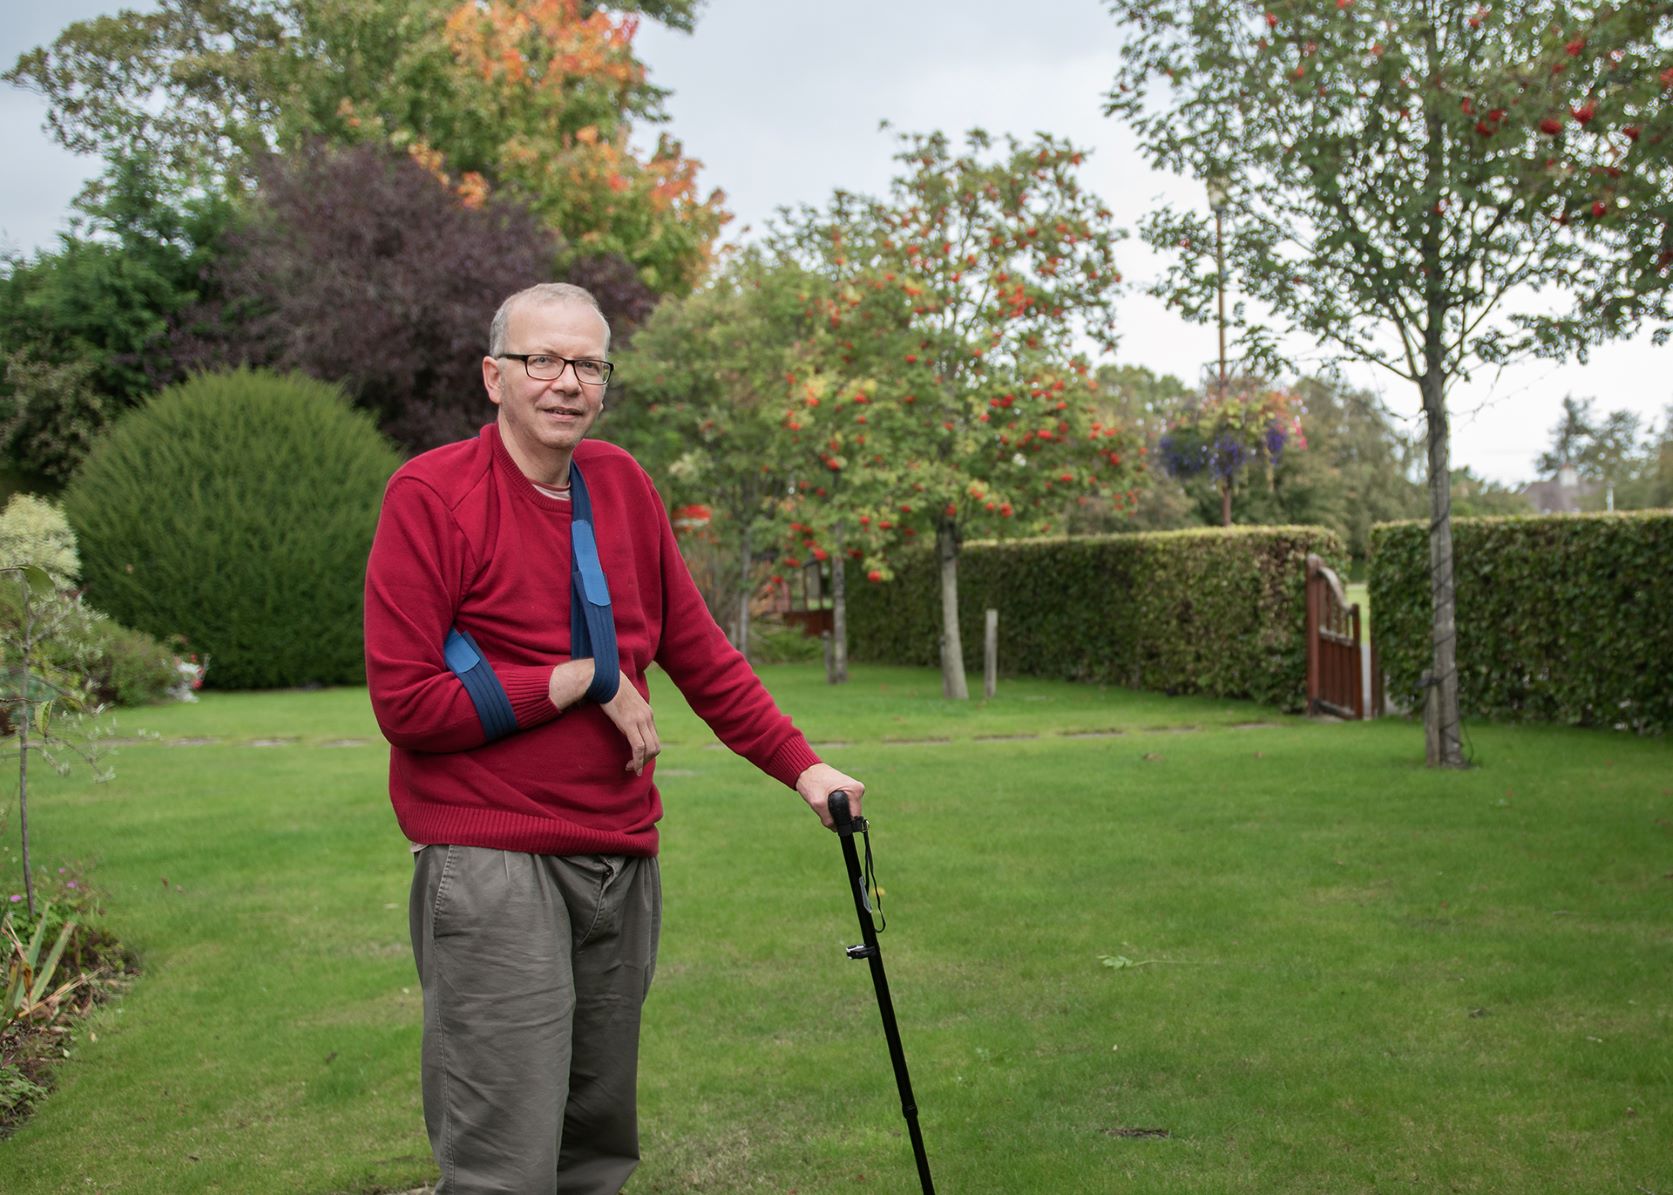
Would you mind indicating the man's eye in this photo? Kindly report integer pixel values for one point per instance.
(541, 361)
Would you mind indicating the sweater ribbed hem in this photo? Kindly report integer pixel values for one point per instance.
(498, 830)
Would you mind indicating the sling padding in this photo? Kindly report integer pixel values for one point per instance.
(493, 707)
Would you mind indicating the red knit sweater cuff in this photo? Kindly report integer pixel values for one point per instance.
(792, 758)
(530, 691)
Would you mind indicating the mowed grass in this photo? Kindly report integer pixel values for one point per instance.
(1344, 973)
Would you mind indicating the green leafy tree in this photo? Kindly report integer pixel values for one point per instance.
(534, 97)
(1143, 402)
(1362, 466)
(943, 393)
(1474, 496)
(704, 408)
(1394, 171)
(53, 414)
(1605, 451)
(86, 326)
(1659, 470)
(1568, 438)
(1611, 455)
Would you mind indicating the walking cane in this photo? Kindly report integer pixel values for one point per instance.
(846, 827)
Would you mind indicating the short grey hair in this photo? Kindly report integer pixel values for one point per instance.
(543, 293)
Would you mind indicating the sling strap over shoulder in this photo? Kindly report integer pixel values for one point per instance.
(592, 627)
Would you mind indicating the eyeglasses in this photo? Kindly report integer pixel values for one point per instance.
(548, 367)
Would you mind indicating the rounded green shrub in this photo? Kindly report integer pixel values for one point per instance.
(130, 667)
(121, 666)
(235, 511)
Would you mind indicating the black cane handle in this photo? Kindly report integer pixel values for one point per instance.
(845, 823)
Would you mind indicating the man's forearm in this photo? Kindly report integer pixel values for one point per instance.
(570, 681)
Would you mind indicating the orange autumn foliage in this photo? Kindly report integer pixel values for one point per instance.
(561, 89)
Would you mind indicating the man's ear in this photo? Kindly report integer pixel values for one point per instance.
(492, 377)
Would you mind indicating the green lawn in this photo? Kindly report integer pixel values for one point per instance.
(1355, 975)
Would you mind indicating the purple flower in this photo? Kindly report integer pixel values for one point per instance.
(1276, 437)
(71, 884)
(1227, 456)
(1183, 454)
(16, 896)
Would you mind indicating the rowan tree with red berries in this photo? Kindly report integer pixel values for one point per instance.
(1403, 178)
(943, 392)
(701, 408)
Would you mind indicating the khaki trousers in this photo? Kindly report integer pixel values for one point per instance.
(534, 968)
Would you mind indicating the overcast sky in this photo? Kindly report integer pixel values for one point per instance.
(782, 101)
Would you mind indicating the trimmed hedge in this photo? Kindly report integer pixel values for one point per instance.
(1217, 611)
(236, 510)
(1561, 618)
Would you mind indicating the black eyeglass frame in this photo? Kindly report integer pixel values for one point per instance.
(567, 363)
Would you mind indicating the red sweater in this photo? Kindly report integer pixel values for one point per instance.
(466, 540)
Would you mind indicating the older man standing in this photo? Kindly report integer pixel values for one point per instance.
(519, 586)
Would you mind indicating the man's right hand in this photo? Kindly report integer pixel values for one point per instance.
(630, 712)
(632, 715)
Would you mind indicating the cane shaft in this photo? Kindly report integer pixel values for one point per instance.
(873, 955)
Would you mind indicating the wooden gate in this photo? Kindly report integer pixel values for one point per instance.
(803, 600)
(1337, 665)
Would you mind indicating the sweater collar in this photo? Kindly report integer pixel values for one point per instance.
(516, 478)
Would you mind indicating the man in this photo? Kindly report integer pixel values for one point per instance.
(506, 575)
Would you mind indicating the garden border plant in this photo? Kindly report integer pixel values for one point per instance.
(46, 677)
(45, 1000)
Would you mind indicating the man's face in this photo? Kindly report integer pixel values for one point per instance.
(542, 422)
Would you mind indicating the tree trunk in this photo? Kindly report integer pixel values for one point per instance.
(1442, 726)
(952, 650)
(1225, 502)
(23, 714)
(837, 671)
(741, 640)
(23, 718)
(1442, 730)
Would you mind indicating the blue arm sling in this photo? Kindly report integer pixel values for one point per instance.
(592, 628)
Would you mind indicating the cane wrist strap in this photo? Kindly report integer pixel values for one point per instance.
(592, 628)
